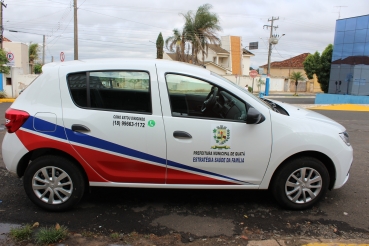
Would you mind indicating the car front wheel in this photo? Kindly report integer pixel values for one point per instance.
(300, 183)
(53, 183)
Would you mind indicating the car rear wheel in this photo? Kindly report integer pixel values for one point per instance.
(54, 183)
(300, 183)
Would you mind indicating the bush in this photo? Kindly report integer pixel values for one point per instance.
(3, 94)
(38, 69)
(51, 235)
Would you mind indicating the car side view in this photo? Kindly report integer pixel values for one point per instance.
(161, 124)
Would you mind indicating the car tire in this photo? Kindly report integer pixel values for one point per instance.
(295, 193)
(54, 183)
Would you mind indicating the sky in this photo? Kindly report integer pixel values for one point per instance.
(124, 29)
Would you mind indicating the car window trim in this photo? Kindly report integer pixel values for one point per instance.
(212, 83)
(108, 70)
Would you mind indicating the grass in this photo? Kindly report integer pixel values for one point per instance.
(51, 235)
(114, 236)
(21, 233)
(85, 233)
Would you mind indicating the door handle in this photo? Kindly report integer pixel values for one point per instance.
(80, 128)
(181, 134)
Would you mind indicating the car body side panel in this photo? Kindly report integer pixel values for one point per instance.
(292, 135)
(245, 167)
(118, 152)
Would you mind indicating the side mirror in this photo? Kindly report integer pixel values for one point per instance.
(254, 117)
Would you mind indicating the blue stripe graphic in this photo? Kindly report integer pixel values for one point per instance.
(89, 140)
(108, 146)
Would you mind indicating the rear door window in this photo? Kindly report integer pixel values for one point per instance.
(112, 90)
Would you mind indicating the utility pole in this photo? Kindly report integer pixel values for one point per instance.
(43, 50)
(75, 31)
(270, 51)
(1, 20)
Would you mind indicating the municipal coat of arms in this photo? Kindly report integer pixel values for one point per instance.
(221, 135)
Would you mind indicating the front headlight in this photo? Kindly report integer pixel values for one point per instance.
(345, 138)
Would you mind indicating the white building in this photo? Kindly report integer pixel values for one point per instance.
(19, 76)
(227, 58)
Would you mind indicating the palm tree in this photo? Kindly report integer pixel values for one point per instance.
(33, 54)
(177, 41)
(297, 76)
(200, 29)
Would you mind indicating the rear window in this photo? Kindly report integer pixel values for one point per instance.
(111, 90)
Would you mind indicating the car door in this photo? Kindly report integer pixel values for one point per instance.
(113, 120)
(213, 146)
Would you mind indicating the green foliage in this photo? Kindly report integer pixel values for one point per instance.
(3, 60)
(33, 52)
(296, 76)
(312, 64)
(159, 46)
(21, 233)
(38, 68)
(114, 236)
(177, 41)
(3, 94)
(325, 69)
(260, 83)
(250, 89)
(200, 30)
(51, 235)
(320, 65)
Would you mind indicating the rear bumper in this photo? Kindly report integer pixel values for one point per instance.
(13, 150)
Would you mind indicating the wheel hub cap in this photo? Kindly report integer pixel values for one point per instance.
(303, 185)
(52, 185)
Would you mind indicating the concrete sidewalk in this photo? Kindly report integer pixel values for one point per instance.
(309, 242)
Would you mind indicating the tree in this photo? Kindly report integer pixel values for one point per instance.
(200, 29)
(260, 83)
(325, 68)
(33, 54)
(159, 46)
(177, 41)
(3, 61)
(297, 76)
(320, 65)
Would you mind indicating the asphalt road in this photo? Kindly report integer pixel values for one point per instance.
(208, 213)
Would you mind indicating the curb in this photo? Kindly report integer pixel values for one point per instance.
(7, 100)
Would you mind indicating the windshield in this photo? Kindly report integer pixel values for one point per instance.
(242, 89)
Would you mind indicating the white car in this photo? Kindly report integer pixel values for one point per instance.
(162, 124)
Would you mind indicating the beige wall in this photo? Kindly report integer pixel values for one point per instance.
(20, 52)
(19, 81)
(215, 69)
(310, 85)
(166, 57)
(245, 65)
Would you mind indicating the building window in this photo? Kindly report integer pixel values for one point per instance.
(8, 81)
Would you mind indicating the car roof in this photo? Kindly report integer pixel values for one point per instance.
(112, 62)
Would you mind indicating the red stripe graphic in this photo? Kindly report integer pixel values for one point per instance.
(33, 141)
(103, 167)
(179, 177)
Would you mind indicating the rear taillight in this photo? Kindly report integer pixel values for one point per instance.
(14, 119)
